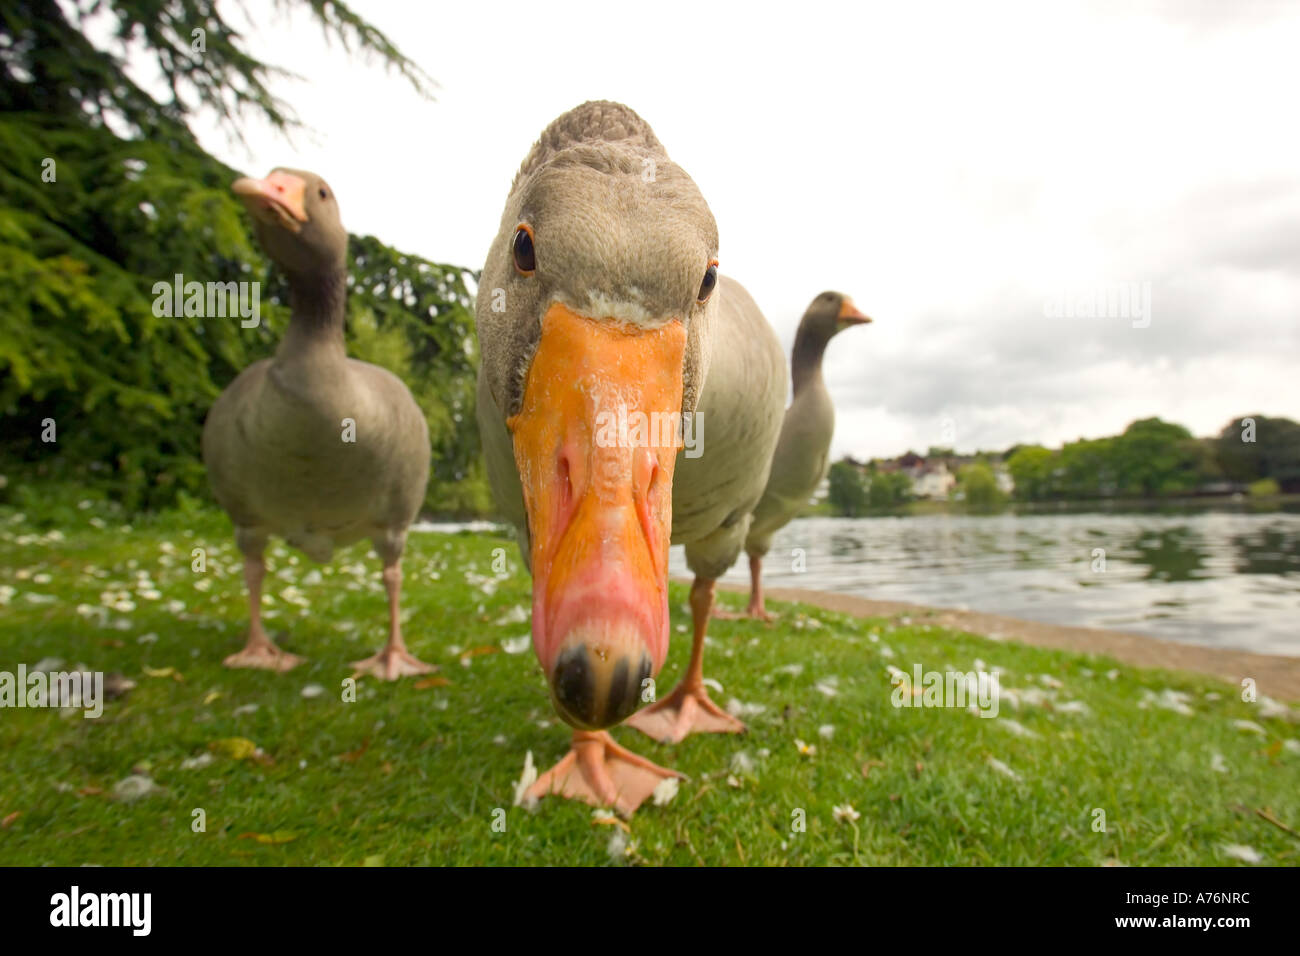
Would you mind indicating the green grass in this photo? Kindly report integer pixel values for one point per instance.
(413, 776)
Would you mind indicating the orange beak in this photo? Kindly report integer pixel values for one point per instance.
(596, 442)
(277, 199)
(849, 314)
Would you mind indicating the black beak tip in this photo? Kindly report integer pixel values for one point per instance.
(585, 700)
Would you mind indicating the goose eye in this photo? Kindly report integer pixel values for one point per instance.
(525, 256)
(323, 193)
(710, 282)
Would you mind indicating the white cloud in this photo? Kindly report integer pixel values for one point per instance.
(942, 164)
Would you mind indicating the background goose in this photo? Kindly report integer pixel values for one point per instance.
(600, 298)
(802, 455)
(311, 445)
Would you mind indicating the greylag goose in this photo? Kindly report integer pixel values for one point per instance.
(310, 445)
(802, 454)
(601, 317)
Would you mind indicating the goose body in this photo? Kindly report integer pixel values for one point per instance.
(802, 456)
(738, 416)
(801, 461)
(601, 297)
(310, 445)
(279, 465)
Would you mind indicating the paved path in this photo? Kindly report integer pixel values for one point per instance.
(1274, 675)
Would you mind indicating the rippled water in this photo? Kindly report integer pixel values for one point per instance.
(1225, 578)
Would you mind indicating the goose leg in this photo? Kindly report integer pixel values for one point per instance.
(756, 609)
(260, 651)
(600, 772)
(688, 709)
(394, 660)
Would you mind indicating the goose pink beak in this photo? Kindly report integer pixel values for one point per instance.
(277, 199)
(599, 502)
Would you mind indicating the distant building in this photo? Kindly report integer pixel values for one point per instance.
(932, 481)
(935, 478)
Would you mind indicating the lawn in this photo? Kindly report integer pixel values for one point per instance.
(285, 771)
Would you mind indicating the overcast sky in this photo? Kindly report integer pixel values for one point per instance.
(950, 166)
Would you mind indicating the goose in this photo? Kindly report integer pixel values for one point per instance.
(802, 455)
(310, 445)
(601, 315)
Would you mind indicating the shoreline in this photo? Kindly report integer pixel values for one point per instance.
(1274, 675)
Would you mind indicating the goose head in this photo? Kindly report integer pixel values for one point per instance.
(828, 315)
(592, 314)
(296, 220)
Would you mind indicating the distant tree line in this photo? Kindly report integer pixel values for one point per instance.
(1154, 458)
(1150, 459)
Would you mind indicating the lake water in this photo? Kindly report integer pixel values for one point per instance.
(1220, 576)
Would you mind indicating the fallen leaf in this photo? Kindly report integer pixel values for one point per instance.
(89, 792)
(236, 748)
(352, 756)
(8, 821)
(605, 818)
(479, 651)
(210, 697)
(427, 682)
(1264, 813)
(271, 839)
(171, 672)
(866, 767)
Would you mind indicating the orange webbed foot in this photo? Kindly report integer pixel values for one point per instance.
(598, 771)
(686, 711)
(392, 664)
(260, 653)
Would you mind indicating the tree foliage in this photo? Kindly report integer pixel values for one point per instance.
(1256, 447)
(889, 489)
(1154, 458)
(104, 192)
(848, 490)
(1033, 470)
(979, 486)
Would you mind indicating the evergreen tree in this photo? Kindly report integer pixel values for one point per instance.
(104, 192)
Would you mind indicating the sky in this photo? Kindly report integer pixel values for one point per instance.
(959, 169)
